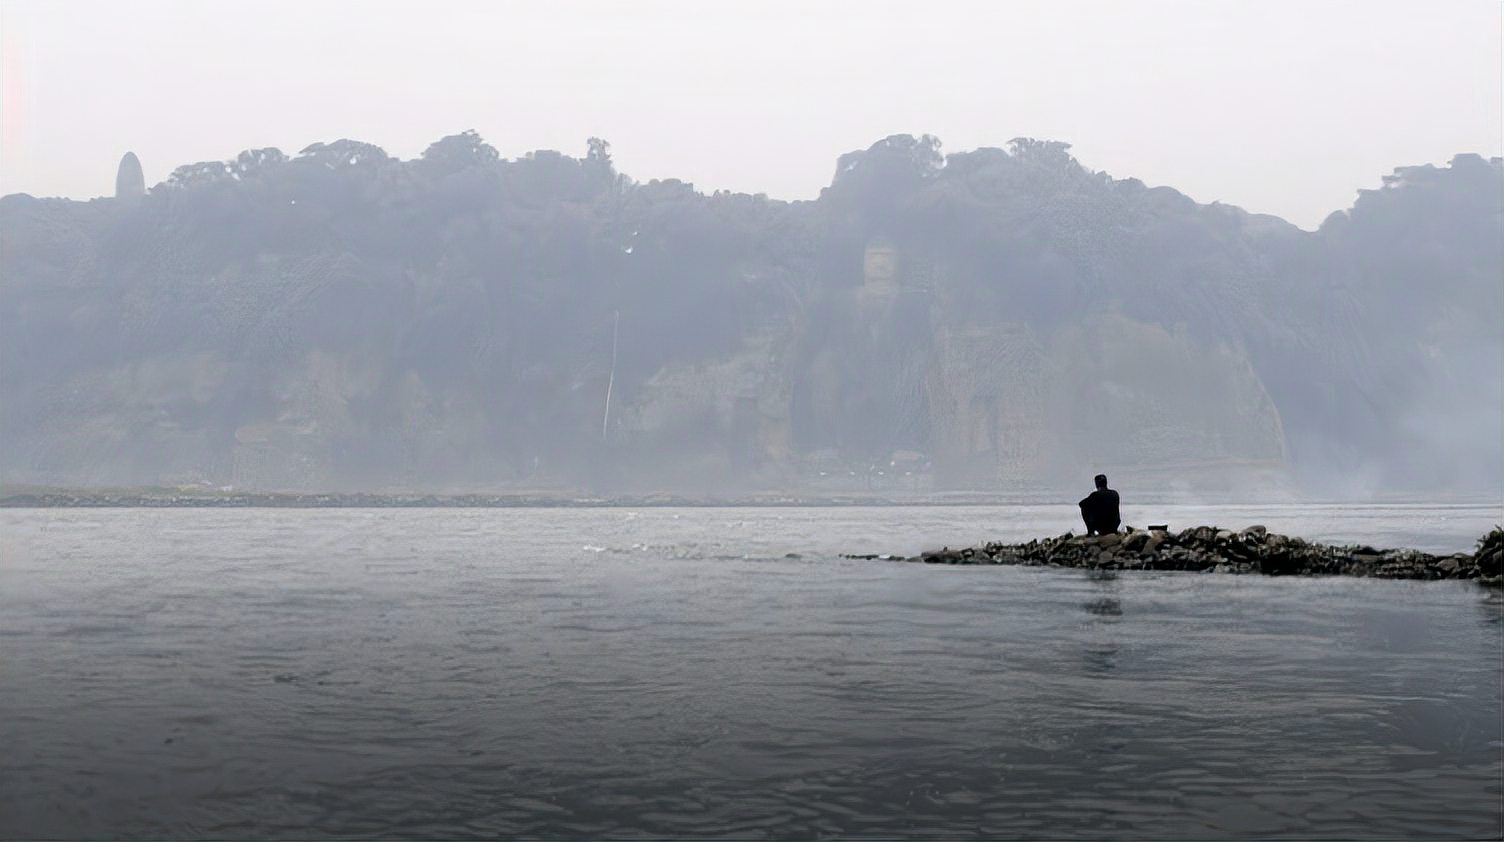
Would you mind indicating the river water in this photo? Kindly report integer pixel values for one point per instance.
(567, 673)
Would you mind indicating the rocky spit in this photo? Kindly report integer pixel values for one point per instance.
(1208, 549)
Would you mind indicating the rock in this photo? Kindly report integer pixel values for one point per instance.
(130, 183)
(1489, 557)
(1280, 564)
(1208, 549)
(1199, 534)
(1397, 570)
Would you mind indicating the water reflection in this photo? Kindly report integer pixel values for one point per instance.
(1099, 659)
(1491, 607)
(1104, 607)
(1105, 583)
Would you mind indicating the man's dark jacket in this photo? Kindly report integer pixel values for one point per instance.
(1100, 511)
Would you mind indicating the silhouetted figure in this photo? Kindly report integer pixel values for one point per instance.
(1100, 509)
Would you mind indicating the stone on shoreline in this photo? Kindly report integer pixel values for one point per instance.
(1208, 549)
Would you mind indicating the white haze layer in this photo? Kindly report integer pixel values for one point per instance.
(1279, 107)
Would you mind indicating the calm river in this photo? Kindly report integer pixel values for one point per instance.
(568, 673)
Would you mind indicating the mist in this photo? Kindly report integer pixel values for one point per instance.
(666, 419)
(1277, 107)
(999, 320)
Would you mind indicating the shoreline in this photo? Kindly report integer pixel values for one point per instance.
(1209, 549)
(63, 498)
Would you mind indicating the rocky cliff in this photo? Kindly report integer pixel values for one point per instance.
(1000, 319)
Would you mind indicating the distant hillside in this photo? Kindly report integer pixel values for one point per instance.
(987, 320)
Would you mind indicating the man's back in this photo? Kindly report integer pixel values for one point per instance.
(1100, 511)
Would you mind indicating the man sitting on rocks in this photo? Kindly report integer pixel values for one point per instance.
(1100, 509)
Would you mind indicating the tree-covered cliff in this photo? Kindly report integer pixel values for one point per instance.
(993, 319)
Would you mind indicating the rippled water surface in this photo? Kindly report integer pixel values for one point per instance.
(675, 672)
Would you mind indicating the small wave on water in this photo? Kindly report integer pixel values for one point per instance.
(577, 673)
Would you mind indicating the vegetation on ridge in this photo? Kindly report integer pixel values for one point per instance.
(344, 319)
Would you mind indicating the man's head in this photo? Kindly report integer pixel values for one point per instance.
(1101, 480)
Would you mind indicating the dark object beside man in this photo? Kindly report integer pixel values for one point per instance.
(1100, 509)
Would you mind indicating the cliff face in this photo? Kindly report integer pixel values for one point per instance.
(1108, 394)
(990, 320)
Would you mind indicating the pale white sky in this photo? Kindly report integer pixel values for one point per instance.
(1280, 106)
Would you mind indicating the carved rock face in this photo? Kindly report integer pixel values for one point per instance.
(129, 181)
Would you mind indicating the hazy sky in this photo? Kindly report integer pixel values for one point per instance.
(1281, 107)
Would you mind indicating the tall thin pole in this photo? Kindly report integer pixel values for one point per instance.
(611, 381)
